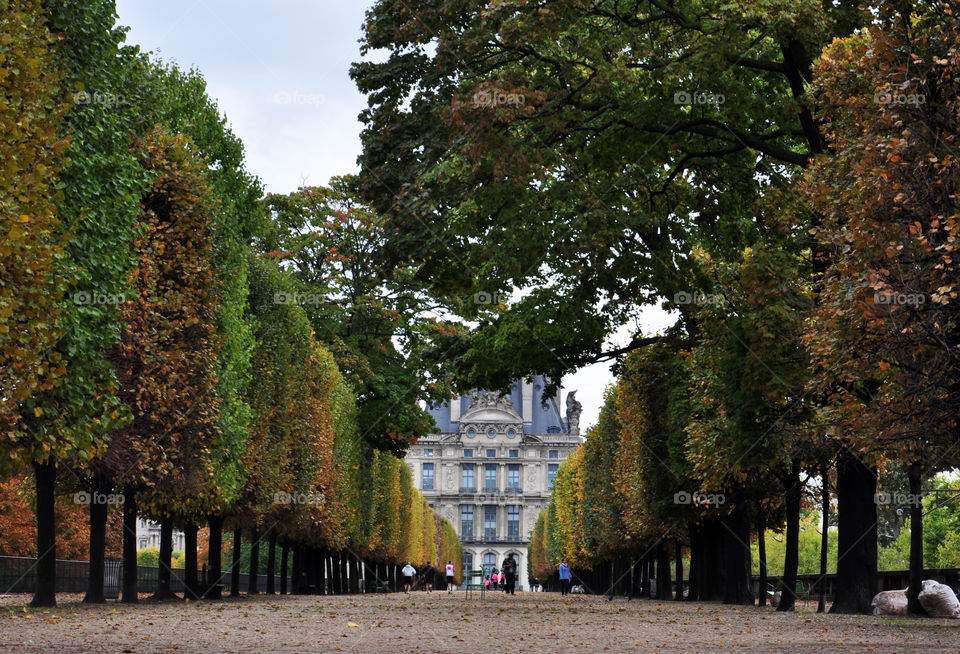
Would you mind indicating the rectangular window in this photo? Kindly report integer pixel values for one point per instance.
(427, 476)
(514, 454)
(513, 477)
(466, 478)
(490, 477)
(490, 522)
(554, 454)
(466, 522)
(491, 454)
(551, 474)
(468, 453)
(427, 451)
(468, 561)
(513, 523)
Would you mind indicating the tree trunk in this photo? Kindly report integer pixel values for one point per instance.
(856, 582)
(915, 476)
(130, 570)
(296, 580)
(355, 575)
(664, 583)
(102, 485)
(713, 571)
(762, 552)
(695, 585)
(215, 557)
(319, 558)
(824, 539)
(679, 562)
(191, 586)
(235, 565)
(791, 557)
(166, 552)
(335, 582)
(284, 557)
(736, 548)
(253, 578)
(271, 563)
(344, 581)
(45, 476)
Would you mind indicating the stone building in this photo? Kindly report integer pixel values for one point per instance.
(491, 468)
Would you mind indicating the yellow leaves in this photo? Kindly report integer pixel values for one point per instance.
(37, 412)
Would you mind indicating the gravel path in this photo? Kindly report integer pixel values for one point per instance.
(438, 622)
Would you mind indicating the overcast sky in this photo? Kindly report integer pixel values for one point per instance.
(279, 71)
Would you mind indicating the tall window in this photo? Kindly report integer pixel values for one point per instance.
(490, 522)
(427, 476)
(468, 561)
(490, 477)
(551, 474)
(466, 477)
(489, 563)
(466, 521)
(513, 522)
(513, 477)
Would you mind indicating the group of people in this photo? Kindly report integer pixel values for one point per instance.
(506, 577)
(427, 575)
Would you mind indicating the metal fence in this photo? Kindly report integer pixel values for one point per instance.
(18, 575)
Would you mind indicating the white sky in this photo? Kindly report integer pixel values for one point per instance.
(279, 71)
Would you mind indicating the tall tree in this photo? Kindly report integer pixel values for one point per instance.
(887, 326)
(377, 324)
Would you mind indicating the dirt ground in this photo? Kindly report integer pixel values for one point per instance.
(438, 622)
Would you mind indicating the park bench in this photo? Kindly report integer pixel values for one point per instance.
(474, 582)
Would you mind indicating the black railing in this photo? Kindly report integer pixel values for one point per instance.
(18, 575)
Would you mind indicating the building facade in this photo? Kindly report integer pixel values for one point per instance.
(148, 535)
(491, 468)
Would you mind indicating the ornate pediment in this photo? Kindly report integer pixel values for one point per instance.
(490, 407)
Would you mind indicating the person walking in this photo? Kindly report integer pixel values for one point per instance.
(428, 575)
(565, 577)
(495, 578)
(408, 572)
(508, 573)
(450, 569)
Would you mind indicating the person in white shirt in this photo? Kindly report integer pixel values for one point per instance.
(408, 572)
(450, 572)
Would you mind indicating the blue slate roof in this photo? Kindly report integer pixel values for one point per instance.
(546, 418)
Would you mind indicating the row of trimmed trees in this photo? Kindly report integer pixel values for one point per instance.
(781, 177)
(149, 345)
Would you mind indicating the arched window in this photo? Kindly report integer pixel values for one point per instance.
(489, 563)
